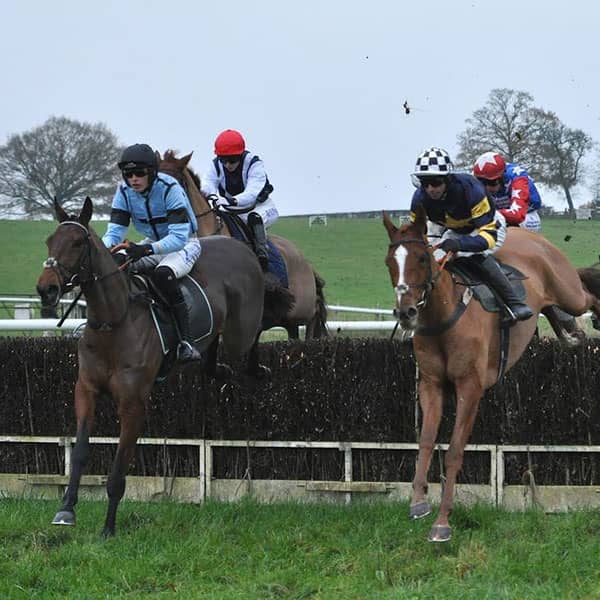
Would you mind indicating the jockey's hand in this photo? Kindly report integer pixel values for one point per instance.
(218, 201)
(450, 245)
(137, 251)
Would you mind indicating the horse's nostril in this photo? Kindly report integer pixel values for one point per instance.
(411, 312)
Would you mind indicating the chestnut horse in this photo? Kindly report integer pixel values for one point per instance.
(305, 284)
(120, 352)
(458, 353)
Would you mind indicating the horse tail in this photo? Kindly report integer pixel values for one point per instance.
(317, 326)
(279, 301)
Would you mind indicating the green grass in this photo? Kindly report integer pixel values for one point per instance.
(348, 253)
(250, 551)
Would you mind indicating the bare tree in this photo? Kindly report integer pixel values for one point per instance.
(63, 158)
(505, 125)
(558, 152)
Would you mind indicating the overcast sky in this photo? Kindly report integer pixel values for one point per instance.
(316, 87)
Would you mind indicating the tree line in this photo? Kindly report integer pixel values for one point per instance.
(69, 159)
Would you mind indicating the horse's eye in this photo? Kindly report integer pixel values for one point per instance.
(424, 258)
(78, 243)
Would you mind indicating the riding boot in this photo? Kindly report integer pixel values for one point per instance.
(260, 239)
(496, 277)
(186, 351)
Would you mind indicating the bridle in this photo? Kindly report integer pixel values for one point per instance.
(69, 279)
(428, 285)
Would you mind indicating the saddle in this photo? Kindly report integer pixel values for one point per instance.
(489, 299)
(201, 316)
(240, 231)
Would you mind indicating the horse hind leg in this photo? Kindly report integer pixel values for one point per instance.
(590, 277)
(564, 325)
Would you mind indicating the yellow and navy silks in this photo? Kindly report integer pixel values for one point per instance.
(464, 208)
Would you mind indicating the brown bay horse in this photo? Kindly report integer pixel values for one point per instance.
(457, 353)
(305, 284)
(120, 352)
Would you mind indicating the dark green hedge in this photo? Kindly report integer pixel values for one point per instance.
(336, 389)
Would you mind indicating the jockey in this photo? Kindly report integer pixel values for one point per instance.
(512, 190)
(467, 223)
(236, 180)
(160, 210)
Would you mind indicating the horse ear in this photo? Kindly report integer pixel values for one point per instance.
(186, 159)
(387, 223)
(86, 212)
(61, 215)
(158, 156)
(421, 219)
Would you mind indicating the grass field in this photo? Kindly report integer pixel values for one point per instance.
(292, 551)
(348, 253)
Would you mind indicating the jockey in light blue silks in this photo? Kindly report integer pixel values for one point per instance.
(160, 210)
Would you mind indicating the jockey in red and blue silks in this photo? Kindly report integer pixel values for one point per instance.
(511, 188)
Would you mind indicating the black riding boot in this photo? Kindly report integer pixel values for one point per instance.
(499, 281)
(260, 239)
(186, 351)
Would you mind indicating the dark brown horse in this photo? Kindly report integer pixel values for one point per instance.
(458, 353)
(120, 352)
(305, 284)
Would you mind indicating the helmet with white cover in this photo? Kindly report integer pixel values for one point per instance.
(433, 162)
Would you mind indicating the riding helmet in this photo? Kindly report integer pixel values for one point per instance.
(489, 165)
(229, 143)
(138, 155)
(433, 162)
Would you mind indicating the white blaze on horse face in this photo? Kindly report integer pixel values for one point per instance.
(401, 287)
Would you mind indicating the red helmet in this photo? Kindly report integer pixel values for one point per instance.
(229, 143)
(489, 165)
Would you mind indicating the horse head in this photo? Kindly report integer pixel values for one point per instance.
(69, 254)
(208, 223)
(412, 268)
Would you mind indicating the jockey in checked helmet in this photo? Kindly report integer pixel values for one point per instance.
(467, 222)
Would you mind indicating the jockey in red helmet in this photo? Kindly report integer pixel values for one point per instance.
(236, 181)
(511, 188)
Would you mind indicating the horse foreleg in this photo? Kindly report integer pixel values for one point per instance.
(132, 419)
(254, 367)
(85, 404)
(468, 394)
(431, 400)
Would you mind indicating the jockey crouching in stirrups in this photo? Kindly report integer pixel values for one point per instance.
(236, 180)
(159, 209)
(468, 223)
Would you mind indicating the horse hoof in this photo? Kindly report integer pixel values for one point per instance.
(64, 517)
(440, 533)
(420, 510)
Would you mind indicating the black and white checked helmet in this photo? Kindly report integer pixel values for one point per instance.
(434, 162)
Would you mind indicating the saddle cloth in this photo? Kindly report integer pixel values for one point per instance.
(488, 298)
(240, 231)
(200, 311)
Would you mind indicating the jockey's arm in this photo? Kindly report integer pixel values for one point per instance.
(120, 218)
(209, 182)
(257, 178)
(519, 202)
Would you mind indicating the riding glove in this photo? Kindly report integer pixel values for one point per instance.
(450, 245)
(137, 251)
(217, 201)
